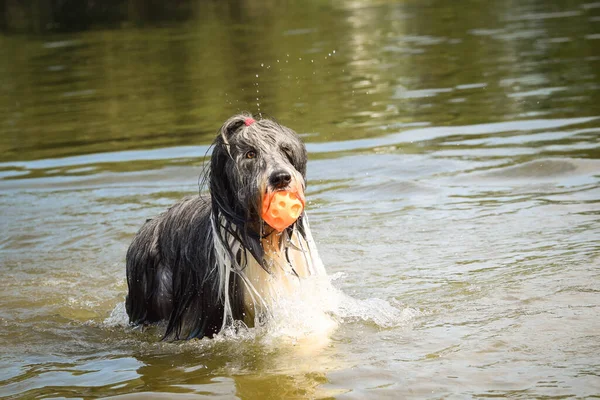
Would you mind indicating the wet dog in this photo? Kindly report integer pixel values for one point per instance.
(210, 261)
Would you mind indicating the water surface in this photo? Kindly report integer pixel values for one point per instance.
(454, 192)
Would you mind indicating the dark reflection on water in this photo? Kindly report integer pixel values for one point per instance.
(454, 189)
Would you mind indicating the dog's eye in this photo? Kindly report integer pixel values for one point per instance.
(288, 153)
(250, 154)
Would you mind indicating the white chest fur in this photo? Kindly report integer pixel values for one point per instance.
(288, 265)
(290, 260)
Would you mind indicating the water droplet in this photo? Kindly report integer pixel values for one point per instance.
(262, 65)
(300, 58)
(257, 75)
(334, 52)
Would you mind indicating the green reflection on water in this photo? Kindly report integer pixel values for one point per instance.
(169, 76)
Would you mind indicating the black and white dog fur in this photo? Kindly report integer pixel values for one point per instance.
(210, 261)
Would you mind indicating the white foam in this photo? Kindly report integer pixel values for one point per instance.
(378, 311)
(117, 317)
(310, 315)
(315, 311)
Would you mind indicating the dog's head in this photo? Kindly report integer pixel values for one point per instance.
(250, 159)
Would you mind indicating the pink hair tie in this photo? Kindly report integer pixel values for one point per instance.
(249, 121)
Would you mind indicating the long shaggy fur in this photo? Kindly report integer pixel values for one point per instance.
(209, 261)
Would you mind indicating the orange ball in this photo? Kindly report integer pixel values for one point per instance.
(281, 209)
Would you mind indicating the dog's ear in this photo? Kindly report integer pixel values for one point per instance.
(222, 189)
(233, 125)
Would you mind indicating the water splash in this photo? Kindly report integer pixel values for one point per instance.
(312, 313)
(257, 96)
(380, 312)
(118, 317)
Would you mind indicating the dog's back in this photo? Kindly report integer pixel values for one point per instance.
(165, 261)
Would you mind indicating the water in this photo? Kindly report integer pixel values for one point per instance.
(454, 193)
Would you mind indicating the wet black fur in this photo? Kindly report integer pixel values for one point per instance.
(172, 271)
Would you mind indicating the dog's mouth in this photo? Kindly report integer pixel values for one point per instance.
(282, 207)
